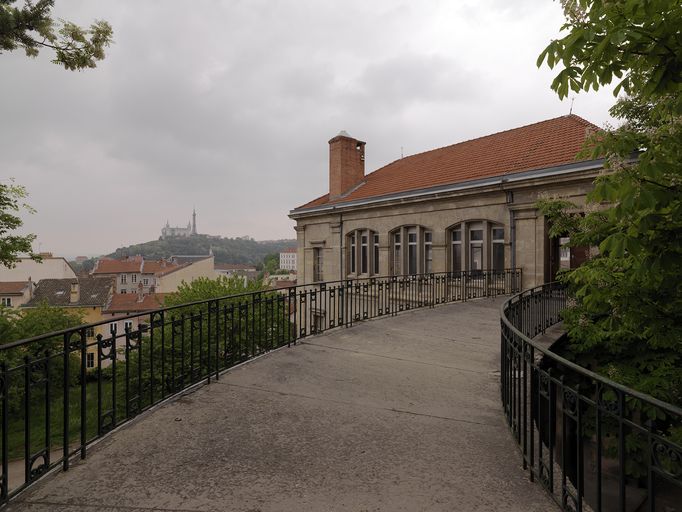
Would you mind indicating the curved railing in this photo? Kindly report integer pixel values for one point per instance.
(591, 443)
(62, 391)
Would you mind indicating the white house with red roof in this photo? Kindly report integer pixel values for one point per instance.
(136, 275)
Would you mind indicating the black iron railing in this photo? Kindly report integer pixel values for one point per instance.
(591, 443)
(62, 391)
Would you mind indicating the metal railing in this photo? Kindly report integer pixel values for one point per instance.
(62, 391)
(591, 443)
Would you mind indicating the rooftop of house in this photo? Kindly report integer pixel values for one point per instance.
(189, 258)
(133, 303)
(541, 145)
(137, 264)
(233, 266)
(281, 283)
(289, 250)
(13, 287)
(92, 291)
(113, 266)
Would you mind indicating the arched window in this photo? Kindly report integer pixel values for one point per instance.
(476, 245)
(362, 255)
(411, 250)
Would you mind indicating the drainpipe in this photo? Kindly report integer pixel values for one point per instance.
(512, 237)
(340, 246)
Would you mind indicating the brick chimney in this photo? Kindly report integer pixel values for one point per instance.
(346, 164)
(75, 292)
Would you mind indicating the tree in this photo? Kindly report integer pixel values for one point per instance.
(11, 245)
(627, 314)
(32, 27)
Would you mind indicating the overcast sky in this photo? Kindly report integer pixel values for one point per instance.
(228, 106)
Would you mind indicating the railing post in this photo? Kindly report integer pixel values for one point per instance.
(65, 446)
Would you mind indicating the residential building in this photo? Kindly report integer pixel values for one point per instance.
(287, 259)
(235, 269)
(14, 294)
(168, 232)
(90, 295)
(50, 267)
(466, 207)
(134, 273)
(168, 279)
(124, 304)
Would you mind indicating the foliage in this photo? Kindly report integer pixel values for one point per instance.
(627, 319)
(12, 245)
(204, 288)
(225, 250)
(271, 263)
(32, 27)
(83, 267)
(31, 322)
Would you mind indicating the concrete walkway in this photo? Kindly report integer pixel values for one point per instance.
(397, 414)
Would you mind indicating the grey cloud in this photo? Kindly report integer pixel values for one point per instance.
(229, 105)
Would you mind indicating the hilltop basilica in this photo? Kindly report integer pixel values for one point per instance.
(167, 231)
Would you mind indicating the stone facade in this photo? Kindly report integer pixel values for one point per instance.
(499, 227)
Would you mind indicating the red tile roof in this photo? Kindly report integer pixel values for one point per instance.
(13, 287)
(277, 285)
(112, 266)
(536, 146)
(136, 264)
(158, 266)
(130, 303)
(233, 266)
(290, 250)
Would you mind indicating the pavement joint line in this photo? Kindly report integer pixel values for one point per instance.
(100, 506)
(342, 402)
(394, 358)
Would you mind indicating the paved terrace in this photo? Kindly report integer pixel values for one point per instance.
(396, 414)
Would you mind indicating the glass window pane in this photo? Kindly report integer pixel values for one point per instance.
(476, 234)
(427, 236)
(376, 254)
(429, 259)
(412, 259)
(498, 233)
(456, 257)
(364, 263)
(498, 256)
(476, 257)
(457, 235)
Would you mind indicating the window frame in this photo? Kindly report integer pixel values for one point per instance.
(318, 262)
(362, 253)
(408, 251)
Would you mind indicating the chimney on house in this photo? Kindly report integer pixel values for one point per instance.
(75, 293)
(346, 164)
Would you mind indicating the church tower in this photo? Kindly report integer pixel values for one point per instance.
(194, 221)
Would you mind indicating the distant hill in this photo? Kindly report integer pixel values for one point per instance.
(225, 250)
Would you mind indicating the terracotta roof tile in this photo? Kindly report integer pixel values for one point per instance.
(130, 303)
(233, 266)
(13, 287)
(541, 145)
(112, 266)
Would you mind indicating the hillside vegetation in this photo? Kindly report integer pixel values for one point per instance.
(225, 250)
